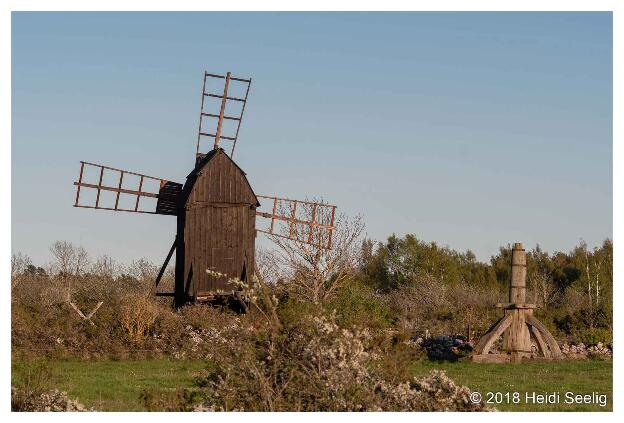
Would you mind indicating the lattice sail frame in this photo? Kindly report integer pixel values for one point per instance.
(220, 115)
(307, 222)
(166, 195)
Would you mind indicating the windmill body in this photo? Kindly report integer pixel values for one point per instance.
(216, 209)
(216, 230)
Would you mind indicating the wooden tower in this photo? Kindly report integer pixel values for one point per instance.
(216, 209)
(518, 325)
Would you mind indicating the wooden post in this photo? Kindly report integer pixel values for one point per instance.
(517, 288)
(517, 339)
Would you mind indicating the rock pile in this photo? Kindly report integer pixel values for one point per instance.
(452, 348)
(582, 351)
(444, 348)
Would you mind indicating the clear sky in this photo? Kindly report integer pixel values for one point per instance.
(473, 130)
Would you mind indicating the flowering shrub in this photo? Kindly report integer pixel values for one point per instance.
(315, 365)
(25, 400)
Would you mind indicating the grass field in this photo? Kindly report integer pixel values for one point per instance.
(579, 377)
(117, 385)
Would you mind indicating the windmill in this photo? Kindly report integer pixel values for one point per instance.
(216, 208)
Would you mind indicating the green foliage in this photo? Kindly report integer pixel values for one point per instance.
(399, 260)
(575, 289)
(588, 326)
(593, 336)
(357, 304)
(32, 375)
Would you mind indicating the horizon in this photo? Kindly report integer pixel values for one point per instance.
(128, 262)
(471, 130)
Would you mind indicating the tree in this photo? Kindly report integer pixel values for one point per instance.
(314, 272)
(19, 263)
(70, 260)
(104, 267)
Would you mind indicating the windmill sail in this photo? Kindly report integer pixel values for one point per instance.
(302, 221)
(124, 190)
(224, 105)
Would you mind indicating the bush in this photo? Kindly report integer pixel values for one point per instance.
(358, 304)
(313, 364)
(427, 304)
(591, 337)
(138, 315)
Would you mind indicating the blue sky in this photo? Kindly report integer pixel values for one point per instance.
(473, 130)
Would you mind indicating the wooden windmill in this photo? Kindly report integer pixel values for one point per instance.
(216, 208)
(518, 326)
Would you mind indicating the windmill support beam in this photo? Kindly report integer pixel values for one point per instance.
(165, 264)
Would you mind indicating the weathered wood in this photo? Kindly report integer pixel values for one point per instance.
(222, 110)
(490, 358)
(486, 342)
(517, 289)
(164, 266)
(90, 315)
(118, 190)
(550, 340)
(539, 340)
(517, 338)
(218, 208)
(519, 323)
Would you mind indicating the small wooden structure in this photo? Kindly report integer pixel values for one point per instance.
(216, 208)
(518, 325)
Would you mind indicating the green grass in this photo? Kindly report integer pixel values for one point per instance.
(117, 385)
(114, 385)
(580, 377)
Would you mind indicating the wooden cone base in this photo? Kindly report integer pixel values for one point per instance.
(518, 325)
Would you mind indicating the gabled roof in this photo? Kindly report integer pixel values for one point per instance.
(208, 157)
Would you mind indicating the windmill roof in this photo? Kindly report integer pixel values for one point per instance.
(209, 156)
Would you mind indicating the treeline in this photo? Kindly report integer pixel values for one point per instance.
(574, 289)
(403, 283)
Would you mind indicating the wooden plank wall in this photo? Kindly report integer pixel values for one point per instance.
(220, 226)
(221, 181)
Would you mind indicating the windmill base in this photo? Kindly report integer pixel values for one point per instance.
(517, 328)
